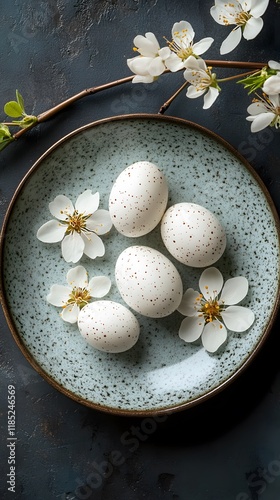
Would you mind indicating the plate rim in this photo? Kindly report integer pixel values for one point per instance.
(8, 316)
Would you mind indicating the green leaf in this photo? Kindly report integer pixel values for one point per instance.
(3, 133)
(29, 120)
(256, 81)
(4, 130)
(26, 121)
(13, 109)
(20, 101)
(5, 142)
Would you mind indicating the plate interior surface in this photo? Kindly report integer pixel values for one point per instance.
(161, 372)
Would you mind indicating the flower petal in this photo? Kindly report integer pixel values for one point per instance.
(252, 28)
(143, 79)
(231, 41)
(258, 7)
(131, 63)
(87, 203)
(70, 313)
(261, 121)
(77, 277)
(201, 47)
(211, 282)
(164, 53)
(156, 67)
(59, 295)
(61, 207)
(139, 65)
(225, 14)
(174, 63)
(147, 45)
(272, 85)
(100, 222)
(193, 92)
(210, 97)
(238, 318)
(72, 247)
(99, 286)
(274, 65)
(195, 64)
(191, 328)
(246, 5)
(216, 14)
(188, 303)
(152, 38)
(183, 33)
(51, 232)
(213, 336)
(93, 245)
(234, 290)
(256, 108)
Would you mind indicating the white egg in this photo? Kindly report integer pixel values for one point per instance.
(193, 235)
(138, 199)
(108, 326)
(148, 282)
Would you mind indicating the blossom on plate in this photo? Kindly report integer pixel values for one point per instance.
(151, 62)
(244, 14)
(264, 111)
(206, 311)
(272, 85)
(202, 81)
(77, 227)
(182, 46)
(78, 293)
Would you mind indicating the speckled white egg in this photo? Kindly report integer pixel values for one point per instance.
(138, 199)
(108, 326)
(193, 234)
(148, 281)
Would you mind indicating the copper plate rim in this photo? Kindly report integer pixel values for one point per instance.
(133, 412)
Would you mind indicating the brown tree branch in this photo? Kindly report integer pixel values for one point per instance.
(46, 115)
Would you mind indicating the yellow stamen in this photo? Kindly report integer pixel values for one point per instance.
(79, 296)
(76, 222)
(242, 18)
(211, 310)
(182, 52)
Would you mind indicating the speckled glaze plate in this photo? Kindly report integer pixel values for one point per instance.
(161, 373)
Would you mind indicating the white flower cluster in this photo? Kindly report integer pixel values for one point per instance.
(181, 53)
(265, 110)
(207, 314)
(244, 15)
(77, 228)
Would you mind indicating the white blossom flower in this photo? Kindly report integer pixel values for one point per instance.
(182, 46)
(202, 81)
(151, 62)
(244, 14)
(80, 291)
(272, 85)
(206, 311)
(264, 111)
(77, 227)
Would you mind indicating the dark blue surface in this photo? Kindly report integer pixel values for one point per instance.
(229, 447)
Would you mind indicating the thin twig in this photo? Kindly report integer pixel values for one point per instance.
(234, 77)
(235, 64)
(46, 115)
(166, 105)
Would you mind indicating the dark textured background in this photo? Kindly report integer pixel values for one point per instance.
(229, 447)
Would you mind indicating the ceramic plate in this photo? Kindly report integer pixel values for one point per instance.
(160, 373)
